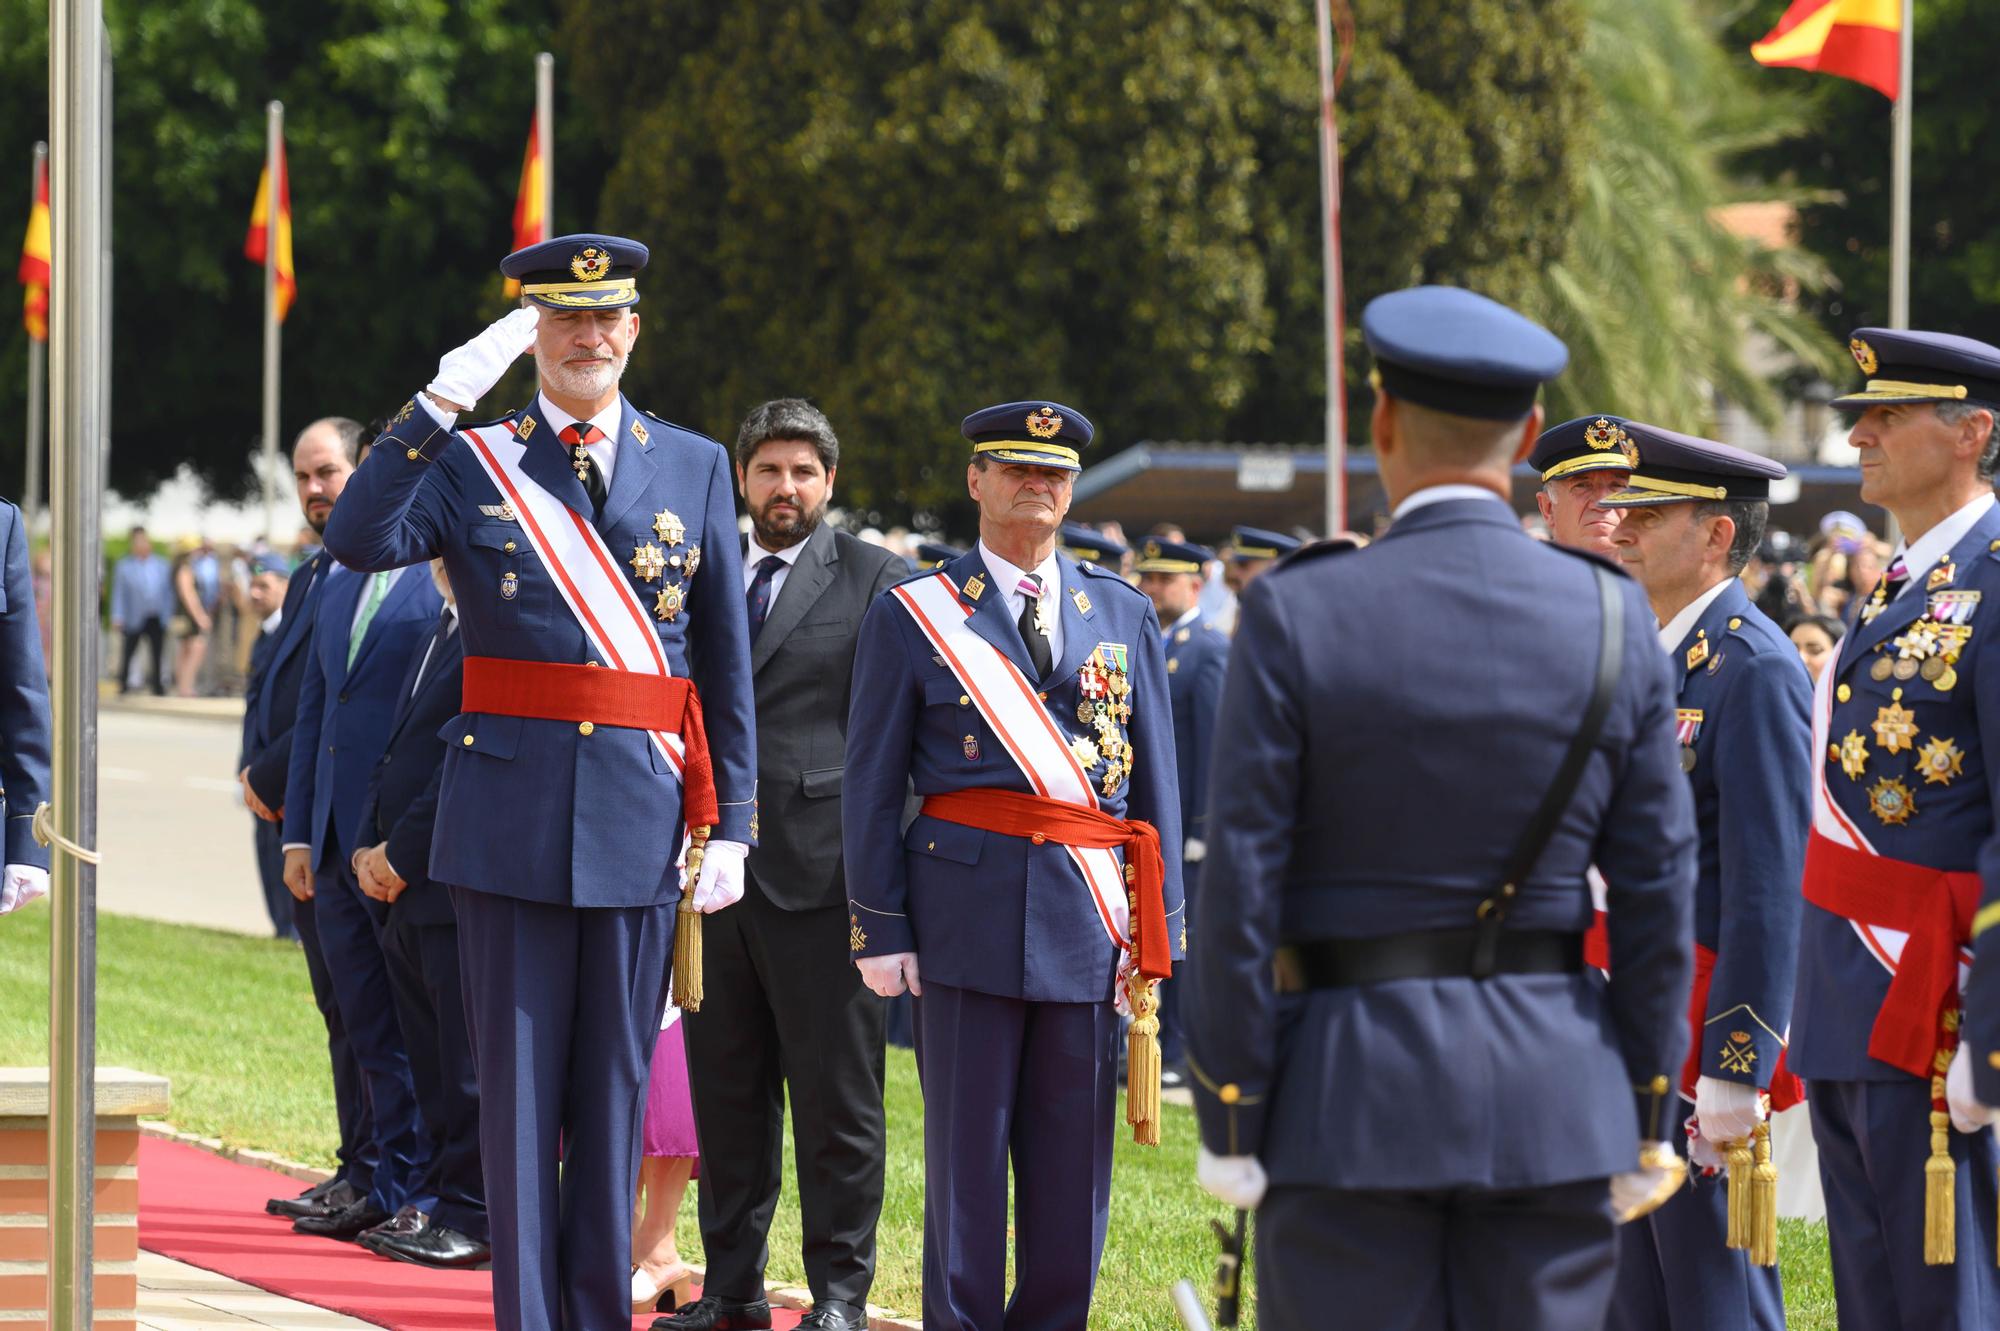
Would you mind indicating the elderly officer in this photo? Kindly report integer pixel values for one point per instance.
(1693, 515)
(1436, 1090)
(1170, 573)
(1025, 696)
(1580, 462)
(1087, 545)
(593, 549)
(1905, 723)
(24, 719)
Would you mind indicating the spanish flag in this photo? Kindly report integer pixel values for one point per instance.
(260, 230)
(531, 222)
(1854, 39)
(35, 260)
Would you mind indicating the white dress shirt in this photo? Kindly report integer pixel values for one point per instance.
(1442, 494)
(1936, 543)
(755, 554)
(1007, 581)
(1681, 624)
(272, 620)
(423, 667)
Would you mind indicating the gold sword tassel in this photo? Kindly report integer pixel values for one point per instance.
(687, 929)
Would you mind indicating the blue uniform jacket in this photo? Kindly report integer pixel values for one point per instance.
(1197, 654)
(1752, 800)
(25, 736)
(401, 806)
(984, 911)
(345, 713)
(534, 808)
(1950, 820)
(271, 702)
(1393, 715)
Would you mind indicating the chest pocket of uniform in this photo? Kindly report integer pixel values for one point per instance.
(514, 586)
(944, 691)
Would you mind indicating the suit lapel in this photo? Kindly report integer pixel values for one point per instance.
(1079, 631)
(989, 609)
(808, 578)
(545, 458)
(336, 605)
(633, 474)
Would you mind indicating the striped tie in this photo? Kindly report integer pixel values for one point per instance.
(1032, 632)
(378, 587)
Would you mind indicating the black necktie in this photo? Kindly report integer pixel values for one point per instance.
(578, 436)
(1031, 632)
(758, 598)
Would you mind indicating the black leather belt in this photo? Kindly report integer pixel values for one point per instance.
(1428, 954)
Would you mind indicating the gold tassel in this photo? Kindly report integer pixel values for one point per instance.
(1764, 1202)
(1740, 1168)
(687, 930)
(1142, 1064)
(1940, 1192)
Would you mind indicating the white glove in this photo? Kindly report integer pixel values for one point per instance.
(21, 884)
(1236, 1179)
(1727, 1111)
(1967, 1113)
(888, 975)
(1642, 1190)
(1195, 851)
(721, 881)
(468, 373)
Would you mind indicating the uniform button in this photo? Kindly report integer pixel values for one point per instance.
(590, 663)
(343, 697)
(584, 728)
(1039, 839)
(1994, 546)
(931, 846)
(413, 455)
(1230, 1093)
(964, 701)
(1736, 623)
(509, 547)
(329, 748)
(1993, 1059)
(1843, 693)
(468, 741)
(1659, 1086)
(1044, 695)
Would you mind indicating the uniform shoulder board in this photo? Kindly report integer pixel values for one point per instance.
(676, 425)
(1330, 545)
(1993, 549)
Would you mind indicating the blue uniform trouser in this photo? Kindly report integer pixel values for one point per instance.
(1873, 1139)
(1462, 1259)
(1037, 1082)
(350, 943)
(564, 1004)
(1677, 1272)
(356, 1153)
(430, 1007)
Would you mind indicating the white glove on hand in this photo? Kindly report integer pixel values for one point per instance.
(721, 881)
(1727, 1111)
(468, 373)
(887, 975)
(1236, 1179)
(1642, 1190)
(23, 883)
(1968, 1115)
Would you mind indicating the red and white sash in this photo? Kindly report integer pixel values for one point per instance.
(591, 580)
(1013, 708)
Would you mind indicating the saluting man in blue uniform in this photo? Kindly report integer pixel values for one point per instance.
(1398, 1055)
(1906, 719)
(1170, 573)
(607, 704)
(1694, 513)
(1025, 697)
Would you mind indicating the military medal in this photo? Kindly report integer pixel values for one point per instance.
(1908, 669)
(1953, 607)
(1852, 754)
(1920, 640)
(1881, 669)
(580, 464)
(694, 559)
(1939, 761)
(669, 528)
(510, 586)
(1876, 602)
(647, 561)
(1084, 751)
(1890, 801)
(670, 601)
(1895, 726)
(1930, 669)
(1944, 682)
(1687, 728)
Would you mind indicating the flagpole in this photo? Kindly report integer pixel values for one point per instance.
(77, 130)
(38, 359)
(1329, 218)
(545, 133)
(1899, 202)
(274, 130)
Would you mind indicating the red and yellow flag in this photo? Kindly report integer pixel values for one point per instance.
(261, 227)
(1854, 39)
(35, 252)
(531, 221)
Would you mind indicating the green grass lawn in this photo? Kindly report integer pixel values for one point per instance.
(231, 1021)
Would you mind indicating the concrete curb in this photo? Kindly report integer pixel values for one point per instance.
(781, 1296)
(203, 709)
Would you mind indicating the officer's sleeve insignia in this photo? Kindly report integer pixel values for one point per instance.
(1737, 1056)
(407, 410)
(857, 938)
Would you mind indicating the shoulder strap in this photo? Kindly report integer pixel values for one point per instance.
(1535, 834)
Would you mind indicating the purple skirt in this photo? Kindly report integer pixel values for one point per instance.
(669, 1129)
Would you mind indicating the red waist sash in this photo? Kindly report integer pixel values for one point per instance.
(1933, 907)
(544, 690)
(1015, 813)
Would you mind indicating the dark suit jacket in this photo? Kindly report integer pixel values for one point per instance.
(271, 701)
(401, 805)
(803, 664)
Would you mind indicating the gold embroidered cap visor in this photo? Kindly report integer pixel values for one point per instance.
(1030, 453)
(1576, 466)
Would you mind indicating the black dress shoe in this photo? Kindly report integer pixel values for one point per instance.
(326, 1195)
(435, 1245)
(346, 1223)
(707, 1314)
(406, 1223)
(833, 1315)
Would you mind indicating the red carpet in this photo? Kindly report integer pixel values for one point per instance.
(209, 1212)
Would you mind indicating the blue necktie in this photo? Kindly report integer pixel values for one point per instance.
(758, 598)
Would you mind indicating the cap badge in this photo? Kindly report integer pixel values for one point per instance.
(1152, 549)
(1605, 437)
(590, 264)
(1044, 424)
(1864, 355)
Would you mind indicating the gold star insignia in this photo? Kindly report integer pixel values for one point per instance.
(668, 604)
(647, 561)
(1890, 801)
(1895, 726)
(668, 527)
(1940, 760)
(1852, 754)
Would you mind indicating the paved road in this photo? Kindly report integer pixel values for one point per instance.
(171, 824)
